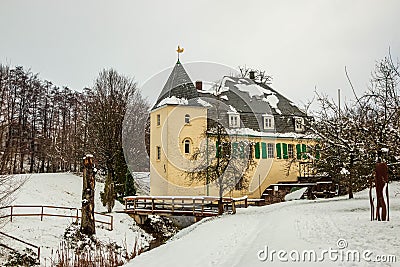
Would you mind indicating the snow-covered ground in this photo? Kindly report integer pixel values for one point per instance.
(295, 227)
(65, 189)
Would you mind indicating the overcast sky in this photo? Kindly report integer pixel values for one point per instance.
(303, 44)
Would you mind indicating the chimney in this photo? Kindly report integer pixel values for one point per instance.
(251, 73)
(199, 85)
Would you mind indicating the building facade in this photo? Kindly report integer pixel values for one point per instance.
(262, 125)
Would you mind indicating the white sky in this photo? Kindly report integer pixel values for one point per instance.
(302, 44)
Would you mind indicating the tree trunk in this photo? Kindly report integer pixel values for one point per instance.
(351, 192)
(220, 206)
(87, 225)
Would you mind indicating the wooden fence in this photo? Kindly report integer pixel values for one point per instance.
(37, 248)
(29, 210)
(177, 205)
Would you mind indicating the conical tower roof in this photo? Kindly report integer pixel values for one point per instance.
(178, 85)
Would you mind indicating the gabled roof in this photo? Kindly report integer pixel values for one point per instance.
(234, 95)
(253, 101)
(178, 85)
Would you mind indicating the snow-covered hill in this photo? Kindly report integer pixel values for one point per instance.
(65, 189)
(293, 227)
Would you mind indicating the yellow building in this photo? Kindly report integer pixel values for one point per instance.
(253, 115)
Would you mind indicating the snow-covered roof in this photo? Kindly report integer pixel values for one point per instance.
(238, 95)
(173, 100)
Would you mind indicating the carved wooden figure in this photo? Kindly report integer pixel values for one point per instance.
(381, 178)
(87, 225)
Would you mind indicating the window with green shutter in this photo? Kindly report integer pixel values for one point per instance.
(304, 150)
(235, 150)
(317, 152)
(264, 150)
(278, 151)
(298, 151)
(241, 150)
(285, 151)
(257, 150)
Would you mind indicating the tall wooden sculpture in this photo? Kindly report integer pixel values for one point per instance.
(87, 225)
(381, 178)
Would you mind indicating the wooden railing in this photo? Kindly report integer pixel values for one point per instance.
(37, 248)
(202, 206)
(26, 210)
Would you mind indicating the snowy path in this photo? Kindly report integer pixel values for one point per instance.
(235, 240)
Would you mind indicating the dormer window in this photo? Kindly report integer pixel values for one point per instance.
(187, 118)
(234, 120)
(268, 122)
(299, 124)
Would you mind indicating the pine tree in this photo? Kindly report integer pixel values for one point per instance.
(130, 189)
(108, 196)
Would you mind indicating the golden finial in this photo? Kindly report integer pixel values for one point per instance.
(179, 50)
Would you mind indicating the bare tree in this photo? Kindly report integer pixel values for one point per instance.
(352, 138)
(260, 76)
(222, 161)
(108, 103)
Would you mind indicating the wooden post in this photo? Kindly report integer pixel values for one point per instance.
(11, 213)
(87, 221)
(41, 215)
(202, 206)
(112, 221)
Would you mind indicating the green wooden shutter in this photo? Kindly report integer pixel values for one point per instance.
(285, 151)
(241, 150)
(257, 150)
(298, 151)
(264, 150)
(234, 149)
(317, 153)
(278, 151)
(304, 150)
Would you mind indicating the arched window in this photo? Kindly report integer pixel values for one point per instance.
(187, 146)
(187, 118)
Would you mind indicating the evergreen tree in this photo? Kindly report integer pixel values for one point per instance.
(108, 196)
(130, 189)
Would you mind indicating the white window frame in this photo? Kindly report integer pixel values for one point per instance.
(269, 123)
(234, 120)
(298, 124)
(290, 151)
(270, 151)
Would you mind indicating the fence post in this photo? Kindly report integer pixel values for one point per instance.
(38, 254)
(77, 216)
(41, 215)
(11, 215)
(112, 221)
